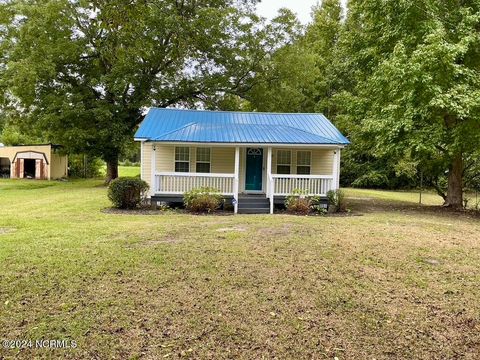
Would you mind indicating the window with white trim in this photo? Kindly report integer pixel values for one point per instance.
(304, 162)
(203, 160)
(284, 162)
(182, 159)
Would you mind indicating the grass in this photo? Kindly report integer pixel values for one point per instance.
(129, 171)
(398, 282)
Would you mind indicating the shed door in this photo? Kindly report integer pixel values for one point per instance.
(38, 169)
(254, 171)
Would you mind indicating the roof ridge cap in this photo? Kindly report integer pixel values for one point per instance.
(237, 112)
(178, 129)
(310, 133)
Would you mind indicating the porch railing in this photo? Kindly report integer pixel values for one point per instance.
(178, 183)
(284, 185)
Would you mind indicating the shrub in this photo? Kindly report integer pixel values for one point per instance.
(336, 201)
(127, 192)
(317, 206)
(298, 203)
(202, 200)
(372, 180)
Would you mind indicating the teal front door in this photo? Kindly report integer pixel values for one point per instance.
(253, 181)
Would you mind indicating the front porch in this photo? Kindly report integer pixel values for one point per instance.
(257, 172)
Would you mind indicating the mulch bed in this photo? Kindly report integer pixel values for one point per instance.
(149, 211)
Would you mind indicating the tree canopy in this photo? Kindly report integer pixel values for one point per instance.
(83, 72)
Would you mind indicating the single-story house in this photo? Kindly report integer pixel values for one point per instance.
(255, 159)
(42, 162)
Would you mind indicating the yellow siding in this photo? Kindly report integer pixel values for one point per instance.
(146, 162)
(243, 168)
(165, 158)
(322, 161)
(223, 160)
(58, 166)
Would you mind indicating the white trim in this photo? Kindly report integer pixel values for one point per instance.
(189, 174)
(269, 168)
(321, 184)
(203, 162)
(336, 167)
(291, 159)
(270, 189)
(227, 189)
(296, 160)
(153, 170)
(181, 193)
(339, 154)
(326, 177)
(189, 161)
(236, 181)
(141, 161)
(251, 145)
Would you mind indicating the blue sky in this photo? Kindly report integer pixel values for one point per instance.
(269, 8)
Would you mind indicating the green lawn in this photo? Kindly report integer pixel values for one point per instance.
(125, 170)
(398, 282)
(129, 170)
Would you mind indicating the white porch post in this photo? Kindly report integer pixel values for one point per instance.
(339, 155)
(141, 161)
(237, 179)
(336, 169)
(270, 189)
(153, 170)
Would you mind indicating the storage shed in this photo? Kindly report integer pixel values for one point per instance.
(42, 162)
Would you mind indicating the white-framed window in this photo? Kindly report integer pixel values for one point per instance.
(304, 162)
(203, 160)
(182, 159)
(284, 162)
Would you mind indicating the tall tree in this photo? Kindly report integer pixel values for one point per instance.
(84, 71)
(413, 96)
(286, 81)
(322, 39)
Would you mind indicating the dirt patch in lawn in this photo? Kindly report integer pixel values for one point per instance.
(5, 231)
(166, 240)
(232, 229)
(275, 231)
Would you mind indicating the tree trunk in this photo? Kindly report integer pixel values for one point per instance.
(455, 183)
(112, 169)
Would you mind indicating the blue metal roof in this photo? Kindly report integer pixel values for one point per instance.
(194, 126)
